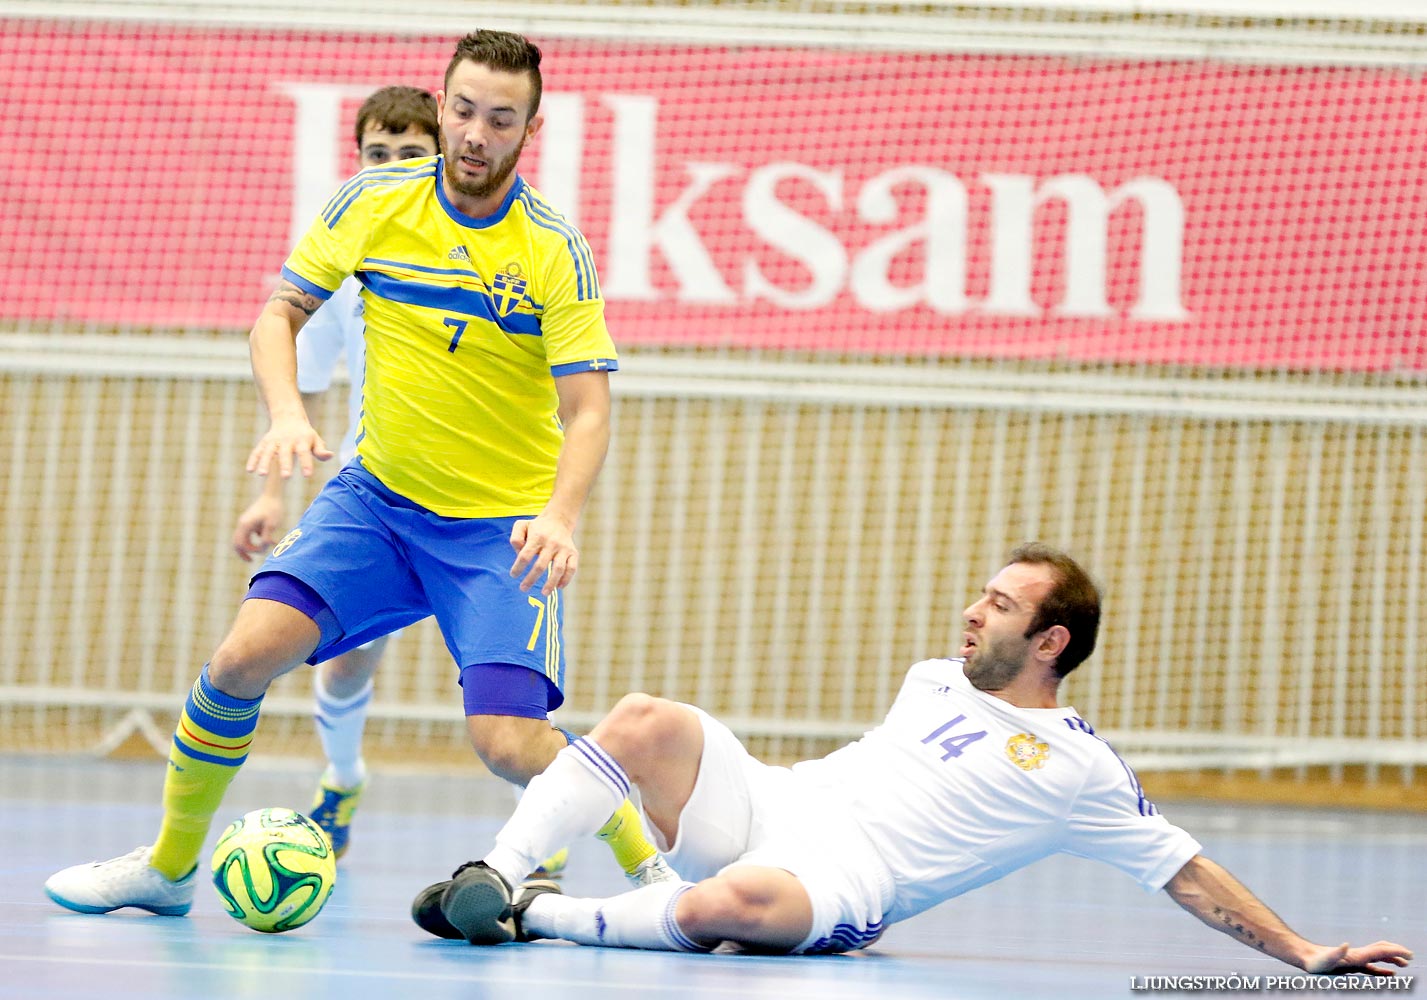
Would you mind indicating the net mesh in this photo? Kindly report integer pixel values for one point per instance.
(884, 314)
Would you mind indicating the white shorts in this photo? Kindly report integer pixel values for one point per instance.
(745, 812)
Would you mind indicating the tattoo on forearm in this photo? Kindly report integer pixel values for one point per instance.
(296, 297)
(1236, 928)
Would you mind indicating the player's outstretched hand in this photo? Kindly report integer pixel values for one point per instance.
(288, 442)
(257, 527)
(1369, 960)
(544, 546)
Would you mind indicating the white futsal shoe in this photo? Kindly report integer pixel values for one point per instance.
(651, 870)
(101, 886)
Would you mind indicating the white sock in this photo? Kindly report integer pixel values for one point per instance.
(571, 799)
(340, 722)
(643, 918)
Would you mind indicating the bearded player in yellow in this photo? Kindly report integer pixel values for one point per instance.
(485, 422)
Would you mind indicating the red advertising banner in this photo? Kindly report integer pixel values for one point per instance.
(823, 200)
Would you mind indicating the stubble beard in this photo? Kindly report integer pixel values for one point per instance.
(497, 173)
(993, 667)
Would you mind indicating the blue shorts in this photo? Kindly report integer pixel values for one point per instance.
(381, 562)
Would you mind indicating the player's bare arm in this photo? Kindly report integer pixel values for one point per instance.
(261, 522)
(1208, 891)
(288, 293)
(545, 546)
(291, 437)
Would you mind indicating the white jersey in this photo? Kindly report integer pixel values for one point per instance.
(957, 788)
(335, 329)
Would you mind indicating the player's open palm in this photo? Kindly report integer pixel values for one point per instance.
(290, 442)
(1369, 959)
(544, 546)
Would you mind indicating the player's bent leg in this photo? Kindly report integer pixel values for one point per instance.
(570, 799)
(644, 918)
(659, 743)
(623, 832)
(210, 743)
(512, 747)
(506, 709)
(348, 675)
(639, 717)
(552, 866)
(268, 639)
(342, 690)
(582, 791)
(507, 718)
(519, 745)
(765, 909)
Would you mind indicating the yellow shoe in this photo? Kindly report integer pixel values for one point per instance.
(553, 866)
(332, 809)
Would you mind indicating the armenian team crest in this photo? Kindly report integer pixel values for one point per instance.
(1027, 752)
(508, 289)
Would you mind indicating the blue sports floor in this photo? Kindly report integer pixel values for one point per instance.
(1063, 929)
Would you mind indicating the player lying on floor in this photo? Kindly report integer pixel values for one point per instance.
(975, 772)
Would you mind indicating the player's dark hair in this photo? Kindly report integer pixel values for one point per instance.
(396, 109)
(500, 50)
(1073, 601)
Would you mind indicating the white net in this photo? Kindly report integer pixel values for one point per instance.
(886, 310)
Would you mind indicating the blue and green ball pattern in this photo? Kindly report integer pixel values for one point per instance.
(274, 869)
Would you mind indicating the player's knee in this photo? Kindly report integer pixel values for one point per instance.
(348, 673)
(640, 725)
(267, 640)
(633, 712)
(243, 666)
(503, 760)
(729, 907)
(513, 748)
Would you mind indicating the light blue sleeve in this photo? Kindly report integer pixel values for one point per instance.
(323, 339)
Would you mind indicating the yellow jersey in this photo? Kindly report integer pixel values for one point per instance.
(469, 321)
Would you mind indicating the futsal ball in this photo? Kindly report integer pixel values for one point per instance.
(274, 869)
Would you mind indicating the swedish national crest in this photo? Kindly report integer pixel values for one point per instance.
(508, 289)
(288, 540)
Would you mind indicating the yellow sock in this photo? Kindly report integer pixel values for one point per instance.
(193, 791)
(209, 745)
(624, 834)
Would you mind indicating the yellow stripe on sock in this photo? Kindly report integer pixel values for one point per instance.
(204, 741)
